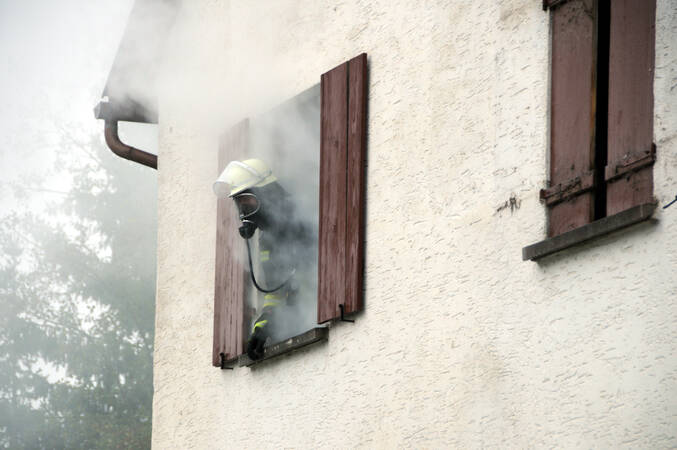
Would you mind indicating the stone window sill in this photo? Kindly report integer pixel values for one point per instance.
(587, 232)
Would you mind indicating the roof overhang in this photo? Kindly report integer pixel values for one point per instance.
(131, 90)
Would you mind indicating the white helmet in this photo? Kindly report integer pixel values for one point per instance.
(241, 175)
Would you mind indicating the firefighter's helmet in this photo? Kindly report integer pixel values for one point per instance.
(242, 175)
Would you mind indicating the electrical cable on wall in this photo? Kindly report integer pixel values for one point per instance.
(673, 201)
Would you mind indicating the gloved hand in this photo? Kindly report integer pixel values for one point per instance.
(256, 342)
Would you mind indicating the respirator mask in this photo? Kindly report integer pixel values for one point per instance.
(247, 205)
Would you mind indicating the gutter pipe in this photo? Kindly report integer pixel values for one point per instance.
(126, 151)
(129, 111)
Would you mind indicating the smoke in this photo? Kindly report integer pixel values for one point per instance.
(202, 92)
(288, 139)
(133, 81)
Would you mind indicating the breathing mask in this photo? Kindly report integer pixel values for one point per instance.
(247, 205)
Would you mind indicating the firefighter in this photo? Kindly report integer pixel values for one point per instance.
(264, 205)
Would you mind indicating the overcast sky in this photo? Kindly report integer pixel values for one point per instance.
(54, 60)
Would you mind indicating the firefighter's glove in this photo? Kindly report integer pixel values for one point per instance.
(256, 342)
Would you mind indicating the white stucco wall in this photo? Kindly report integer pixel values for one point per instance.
(461, 344)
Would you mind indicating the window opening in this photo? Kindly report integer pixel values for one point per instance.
(278, 203)
(601, 106)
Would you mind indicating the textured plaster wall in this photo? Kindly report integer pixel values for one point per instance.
(462, 344)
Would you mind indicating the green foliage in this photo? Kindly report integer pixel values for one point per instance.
(77, 302)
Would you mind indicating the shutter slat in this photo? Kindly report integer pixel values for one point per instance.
(333, 160)
(572, 113)
(631, 72)
(357, 123)
(230, 277)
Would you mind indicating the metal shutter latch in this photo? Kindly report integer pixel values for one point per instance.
(569, 189)
(631, 162)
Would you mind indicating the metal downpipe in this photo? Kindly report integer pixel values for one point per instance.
(126, 151)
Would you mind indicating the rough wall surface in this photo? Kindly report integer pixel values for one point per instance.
(461, 344)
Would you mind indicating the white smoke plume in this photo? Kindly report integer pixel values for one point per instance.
(161, 58)
(288, 139)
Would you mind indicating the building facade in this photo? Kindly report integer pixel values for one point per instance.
(461, 342)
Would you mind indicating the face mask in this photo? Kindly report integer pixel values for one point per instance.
(269, 216)
(247, 205)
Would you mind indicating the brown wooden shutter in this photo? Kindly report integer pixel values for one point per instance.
(629, 172)
(570, 195)
(342, 157)
(230, 284)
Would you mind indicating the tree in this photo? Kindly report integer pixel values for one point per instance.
(77, 292)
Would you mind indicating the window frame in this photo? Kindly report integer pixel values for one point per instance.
(341, 223)
(616, 189)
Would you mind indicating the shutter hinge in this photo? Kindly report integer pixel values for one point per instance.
(631, 162)
(569, 189)
(552, 3)
(343, 319)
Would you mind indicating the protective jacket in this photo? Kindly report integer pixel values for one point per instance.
(283, 246)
